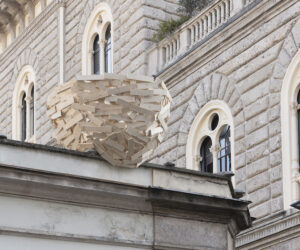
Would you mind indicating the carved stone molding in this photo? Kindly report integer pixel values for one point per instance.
(268, 230)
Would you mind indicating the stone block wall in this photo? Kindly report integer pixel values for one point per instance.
(37, 47)
(135, 22)
(253, 60)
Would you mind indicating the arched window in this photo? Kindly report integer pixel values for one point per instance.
(224, 155)
(290, 133)
(32, 112)
(96, 56)
(206, 162)
(107, 50)
(97, 42)
(23, 106)
(209, 148)
(23, 117)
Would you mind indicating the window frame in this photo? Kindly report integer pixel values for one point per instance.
(98, 22)
(290, 133)
(25, 83)
(200, 129)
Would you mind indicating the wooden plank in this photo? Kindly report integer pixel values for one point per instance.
(152, 107)
(149, 86)
(124, 98)
(162, 84)
(53, 101)
(135, 107)
(65, 104)
(51, 111)
(77, 118)
(135, 133)
(102, 129)
(119, 90)
(94, 120)
(68, 140)
(141, 78)
(115, 145)
(154, 99)
(81, 107)
(156, 131)
(56, 115)
(162, 122)
(142, 92)
(63, 134)
(150, 145)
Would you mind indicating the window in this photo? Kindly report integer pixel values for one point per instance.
(108, 50)
(97, 42)
(290, 133)
(224, 155)
(31, 116)
(206, 161)
(209, 147)
(96, 56)
(23, 117)
(23, 106)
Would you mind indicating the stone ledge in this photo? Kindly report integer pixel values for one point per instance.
(269, 230)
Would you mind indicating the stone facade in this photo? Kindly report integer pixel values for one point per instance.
(242, 62)
(251, 64)
(38, 46)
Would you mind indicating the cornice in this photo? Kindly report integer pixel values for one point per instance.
(288, 222)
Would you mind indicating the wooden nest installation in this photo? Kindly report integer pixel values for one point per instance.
(122, 117)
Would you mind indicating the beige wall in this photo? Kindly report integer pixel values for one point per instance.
(134, 24)
(254, 59)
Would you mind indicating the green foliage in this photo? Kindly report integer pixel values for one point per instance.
(188, 9)
(168, 27)
(191, 7)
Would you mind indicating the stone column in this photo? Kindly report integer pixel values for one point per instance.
(102, 56)
(215, 150)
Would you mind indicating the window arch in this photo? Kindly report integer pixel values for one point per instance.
(23, 106)
(290, 125)
(209, 147)
(98, 38)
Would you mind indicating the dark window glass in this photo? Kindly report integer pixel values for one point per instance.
(206, 163)
(215, 122)
(32, 113)
(23, 118)
(298, 111)
(224, 155)
(96, 56)
(107, 50)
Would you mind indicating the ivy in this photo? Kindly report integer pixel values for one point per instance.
(187, 9)
(192, 7)
(168, 27)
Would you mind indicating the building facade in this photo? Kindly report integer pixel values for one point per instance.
(233, 72)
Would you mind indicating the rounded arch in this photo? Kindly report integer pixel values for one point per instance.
(200, 129)
(25, 81)
(290, 132)
(221, 91)
(99, 19)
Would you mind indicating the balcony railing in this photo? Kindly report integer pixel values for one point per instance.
(193, 31)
